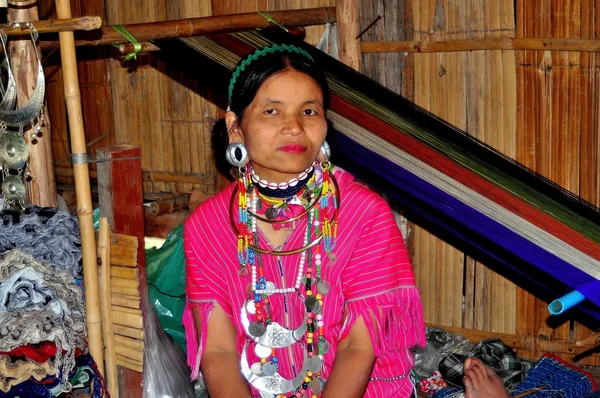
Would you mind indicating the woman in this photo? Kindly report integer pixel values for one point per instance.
(296, 274)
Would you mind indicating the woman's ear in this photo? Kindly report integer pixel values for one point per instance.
(234, 130)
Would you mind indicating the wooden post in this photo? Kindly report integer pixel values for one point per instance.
(121, 199)
(348, 29)
(42, 187)
(82, 184)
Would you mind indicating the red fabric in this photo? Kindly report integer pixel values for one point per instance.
(40, 352)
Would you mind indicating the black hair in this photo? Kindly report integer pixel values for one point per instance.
(249, 82)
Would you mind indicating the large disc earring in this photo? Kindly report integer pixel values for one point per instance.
(237, 155)
(325, 150)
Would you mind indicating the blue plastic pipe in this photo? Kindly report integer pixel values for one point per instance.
(566, 302)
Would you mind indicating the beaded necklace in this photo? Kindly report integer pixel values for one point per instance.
(308, 285)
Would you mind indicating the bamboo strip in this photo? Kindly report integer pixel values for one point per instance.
(129, 320)
(123, 272)
(125, 261)
(130, 353)
(128, 332)
(123, 240)
(127, 291)
(126, 283)
(129, 342)
(82, 183)
(111, 375)
(123, 251)
(125, 301)
(129, 363)
(125, 310)
(494, 43)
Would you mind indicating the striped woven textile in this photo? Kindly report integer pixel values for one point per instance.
(469, 192)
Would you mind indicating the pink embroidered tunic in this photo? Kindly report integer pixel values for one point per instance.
(371, 278)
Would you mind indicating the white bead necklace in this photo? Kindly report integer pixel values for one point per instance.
(253, 205)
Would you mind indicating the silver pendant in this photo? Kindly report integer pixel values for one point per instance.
(316, 308)
(323, 286)
(262, 351)
(13, 189)
(251, 308)
(314, 364)
(304, 279)
(13, 150)
(271, 213)
(310, 301)
(256, 329)
(331, 256)
(269, 368)
(276, 336)
(256, 368)
(316, 385)
(324, 345)
(275, 384)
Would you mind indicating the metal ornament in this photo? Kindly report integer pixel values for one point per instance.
(256, 368)
(314, 363)
(274, 384)
(13, 150)
(256, 329)
(13, 190)
(310, 301)
(29, 112)
(10, 91)
(269, 368)
(323, 286)
(325, 150)
(316, 385)
(324, 345)
(275, 336)
(231, 153)
(251, 308)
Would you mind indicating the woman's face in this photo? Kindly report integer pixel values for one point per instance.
(283, 127)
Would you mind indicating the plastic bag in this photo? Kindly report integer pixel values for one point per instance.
(166, 374)
(440, 343)
(166, 284)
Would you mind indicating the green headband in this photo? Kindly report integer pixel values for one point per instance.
(259, 53)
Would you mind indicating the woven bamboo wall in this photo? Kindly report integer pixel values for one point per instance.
(558, 97)
(539, 108)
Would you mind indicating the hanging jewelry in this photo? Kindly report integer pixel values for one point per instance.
(33, 109)
(9, 93)
(14, 152)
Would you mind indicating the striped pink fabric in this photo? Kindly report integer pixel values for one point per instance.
(371, 277)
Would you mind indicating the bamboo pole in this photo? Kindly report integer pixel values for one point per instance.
(204, 25)
(82, 183)
(52, 25)
(497, 43)
(106, 308)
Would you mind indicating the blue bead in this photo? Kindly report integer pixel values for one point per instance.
(274, 359)
(257, 297)
(262, 279)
